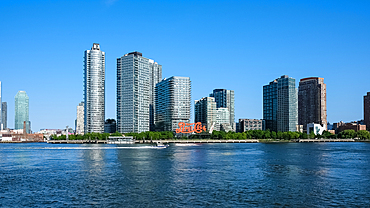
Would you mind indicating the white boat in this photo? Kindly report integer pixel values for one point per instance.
(160, 144)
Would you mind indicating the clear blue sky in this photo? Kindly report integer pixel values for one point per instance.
(238, 45)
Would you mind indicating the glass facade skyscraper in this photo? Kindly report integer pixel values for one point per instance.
(270, 105)
(22, 111)
(94, 90)
(137, 77)
(4, 114)
(225, 99)
(173, 100)
(280, 105)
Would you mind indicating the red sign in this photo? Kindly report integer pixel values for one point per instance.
(190, 128)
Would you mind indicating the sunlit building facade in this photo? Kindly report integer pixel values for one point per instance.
(94, 90)
(225, 99)
(4, 114)
(205, 111)
(21, 111)
(312, 102)
(80, 118)
(173, 102)
(280, 105)
(137, 77)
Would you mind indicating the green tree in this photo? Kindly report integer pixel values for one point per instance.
(116, 134)
(279, 135)
(363, 134)
(304, 136)
(273, 135)
(312, 135)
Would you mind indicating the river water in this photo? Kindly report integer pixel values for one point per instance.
(208, 175)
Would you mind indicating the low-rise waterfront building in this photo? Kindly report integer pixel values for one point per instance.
(350, 126)
(250, 124)
(316, 128)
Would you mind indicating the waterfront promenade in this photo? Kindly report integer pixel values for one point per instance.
(151, 141)
(203, 141)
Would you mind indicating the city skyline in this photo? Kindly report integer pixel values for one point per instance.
(320, 41)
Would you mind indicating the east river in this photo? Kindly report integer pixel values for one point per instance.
(208, 175)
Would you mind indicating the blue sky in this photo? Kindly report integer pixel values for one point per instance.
(238, 45)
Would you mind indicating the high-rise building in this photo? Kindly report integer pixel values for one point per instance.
(223, 120)
(225, 99)
(1, 110)
(367, 110)
(270, 105)
(137, 77)
(22, 111)
(4, 114)
(94, 90)
(312, 102)
(173, 97)
(80, 118)
(280, 104)
(205, 111)
(110, 126)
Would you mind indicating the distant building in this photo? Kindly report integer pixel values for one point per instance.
(329, 126)
(223, 120)
(22, 111)
(80, 118)
(173, 102)
(312, 102)
(110, 126)
(225, 99)
(94, 90)
(367, 109)
(270, 105)
(4, 114)
(350, 126)
(250, 124)
(315, 128)
(299, 128)
(137, 77)
(205, 112)
(280, 104)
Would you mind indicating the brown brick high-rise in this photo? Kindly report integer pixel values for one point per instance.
(312, 102)
(367, 110)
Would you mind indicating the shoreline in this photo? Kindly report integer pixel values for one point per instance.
(201, 141)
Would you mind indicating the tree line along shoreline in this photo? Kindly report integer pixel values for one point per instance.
(222, 135)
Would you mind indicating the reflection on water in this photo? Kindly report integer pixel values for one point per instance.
(214, 175)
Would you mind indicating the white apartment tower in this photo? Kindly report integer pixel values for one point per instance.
(80, 118)
(94, 90)
(137, 77)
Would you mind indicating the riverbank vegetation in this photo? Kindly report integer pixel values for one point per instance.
(250, 134)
